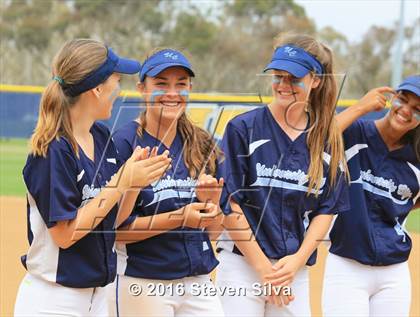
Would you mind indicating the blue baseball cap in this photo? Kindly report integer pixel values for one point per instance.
(162, 60)
(112, 64)
(411, 84)
(294, 60)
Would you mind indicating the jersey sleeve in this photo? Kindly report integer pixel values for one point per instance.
(123, 145)
(52, 183)
(353, 134)
(234, 168)
(110, 147)
(333, 200)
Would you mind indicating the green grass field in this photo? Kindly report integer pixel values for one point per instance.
(13, 154)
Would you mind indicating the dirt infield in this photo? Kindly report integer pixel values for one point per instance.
(13, 244)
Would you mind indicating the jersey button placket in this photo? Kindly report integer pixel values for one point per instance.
(191, 244)
(283, 164)
(379, 241)
(291, 149)
(376, 232)
(293, 162)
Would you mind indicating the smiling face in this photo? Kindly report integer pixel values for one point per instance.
(405, 112)
(288, 89)
(166, 95)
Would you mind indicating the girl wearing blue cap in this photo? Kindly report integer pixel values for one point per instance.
(281, 183)
(74, 182)
(367, 272)
(165, 252)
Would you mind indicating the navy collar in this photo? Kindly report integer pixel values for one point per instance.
(405, 153)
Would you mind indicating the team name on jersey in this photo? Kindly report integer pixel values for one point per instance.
(268, 176)
(169, 187)
(402, 189)
(263, 171)
(89, 192)
(169, 182)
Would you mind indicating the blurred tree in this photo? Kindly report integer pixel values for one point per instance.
(230, 41)
(33, 31)
(340, 46)
(411, 60)
(370, 65)
(192, 31)
(264, 9)
(27, 29)
(245, 42)
(369, 62)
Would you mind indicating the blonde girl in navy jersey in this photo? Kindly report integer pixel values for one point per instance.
(367, 271)
(282, 183)
(167, 246)
(74, 181)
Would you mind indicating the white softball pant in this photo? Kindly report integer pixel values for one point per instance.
(37, 297)
(189, 296)
(354, 289)
(234, 272)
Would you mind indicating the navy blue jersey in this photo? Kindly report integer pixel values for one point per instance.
(58, 185)
(266, 174)
(176, 253)
(384, 188)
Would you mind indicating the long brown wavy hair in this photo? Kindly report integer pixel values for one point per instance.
(75, 60)
(201, 153)
(322, 103)
(412, 137)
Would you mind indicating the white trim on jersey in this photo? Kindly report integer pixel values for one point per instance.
(271, 182)
(354, 150)
(42, 256)
(254, 145)
(79, 177)
(380, 192)
(170, 193)
(122, 257)
(111, 160)
(326, 157)
(417, 173)
(225, 242)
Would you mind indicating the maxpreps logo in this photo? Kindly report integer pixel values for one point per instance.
(167, 188)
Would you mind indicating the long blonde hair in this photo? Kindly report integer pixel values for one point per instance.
(322, 103)
(75, 60)
(202, 152)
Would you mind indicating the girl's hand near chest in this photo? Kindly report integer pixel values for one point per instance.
(200, 215)
(209, 189)
(141, 170)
